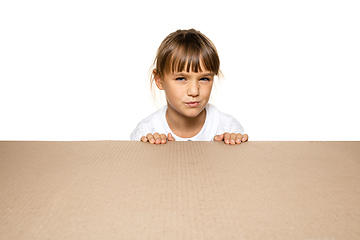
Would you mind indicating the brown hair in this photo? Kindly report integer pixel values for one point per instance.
(186, 50)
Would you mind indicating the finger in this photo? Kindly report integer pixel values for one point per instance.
(232, 138)
(238, 138)
(157, 138)
(245, 138)
(219, 137)
(163, 138)
(170, 137)
(150, 138)
(143, 139)
(227, 138)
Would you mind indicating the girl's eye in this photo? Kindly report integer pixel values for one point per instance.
(180, 79)
(204, 79)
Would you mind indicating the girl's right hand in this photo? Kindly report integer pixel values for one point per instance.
(157, 138)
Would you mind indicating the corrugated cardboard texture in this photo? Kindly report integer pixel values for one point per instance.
(181, 190)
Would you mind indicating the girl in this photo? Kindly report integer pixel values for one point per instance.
(185, 67)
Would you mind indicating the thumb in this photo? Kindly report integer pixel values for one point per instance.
(219, 137)
(170, 137)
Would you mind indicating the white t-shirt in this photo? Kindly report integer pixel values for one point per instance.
(216, 123)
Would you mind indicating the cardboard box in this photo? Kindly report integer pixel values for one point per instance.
(181, 190)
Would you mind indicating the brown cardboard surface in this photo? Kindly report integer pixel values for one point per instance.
(181, 190)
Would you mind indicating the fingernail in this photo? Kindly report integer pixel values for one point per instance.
(227, 140)
(232, 141)
(238, 140)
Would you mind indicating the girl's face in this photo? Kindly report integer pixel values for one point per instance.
(186, 92)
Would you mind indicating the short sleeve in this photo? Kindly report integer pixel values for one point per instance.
(141, 130)
(229, 124)
(150, 124)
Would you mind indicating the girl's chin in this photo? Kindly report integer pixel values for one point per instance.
(193, 113)
(190, 112)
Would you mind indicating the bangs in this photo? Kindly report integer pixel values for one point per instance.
(192, 60)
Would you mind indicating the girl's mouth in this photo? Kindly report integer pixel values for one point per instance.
(192, 104)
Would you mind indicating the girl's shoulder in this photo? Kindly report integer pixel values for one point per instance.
(148, 124)
(214, 112)
(227, 123)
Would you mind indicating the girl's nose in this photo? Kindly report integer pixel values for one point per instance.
(193, 89)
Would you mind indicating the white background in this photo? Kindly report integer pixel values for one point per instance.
(78, 70)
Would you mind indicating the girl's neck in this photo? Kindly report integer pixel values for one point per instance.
(185, 127)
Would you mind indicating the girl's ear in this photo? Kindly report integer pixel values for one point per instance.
(158, 80)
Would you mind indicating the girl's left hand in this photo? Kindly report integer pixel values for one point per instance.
(231, 138)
